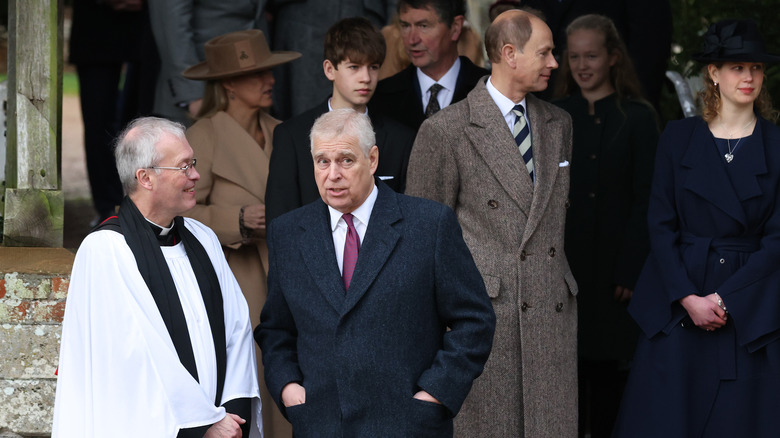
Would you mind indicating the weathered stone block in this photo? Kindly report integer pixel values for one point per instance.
(29, 351)
(28, 406)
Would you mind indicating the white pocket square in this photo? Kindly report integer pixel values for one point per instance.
(563, 164)
(385, 178)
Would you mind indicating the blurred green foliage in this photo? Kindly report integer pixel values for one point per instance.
(691, 20)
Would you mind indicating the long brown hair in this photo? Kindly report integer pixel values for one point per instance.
(709, 99)
(622, 75)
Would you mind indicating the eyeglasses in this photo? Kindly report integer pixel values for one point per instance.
(185, 169)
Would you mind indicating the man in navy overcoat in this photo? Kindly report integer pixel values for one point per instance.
(392, 348)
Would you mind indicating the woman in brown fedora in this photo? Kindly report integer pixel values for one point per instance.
(232, 141)
(708, 298)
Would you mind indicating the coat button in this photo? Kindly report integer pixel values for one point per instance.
(493, 203)
(559, 307)
(552, 252)
(722, 261)
(567, 204)
(524, 306)
(523, 255)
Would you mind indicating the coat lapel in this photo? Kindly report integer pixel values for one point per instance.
(237, 156)
(546, 149)
(707, 175)
(319, 255)
(380, 240)
(749, 163)
(491, 138)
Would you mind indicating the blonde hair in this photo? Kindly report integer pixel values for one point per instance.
(622, 75)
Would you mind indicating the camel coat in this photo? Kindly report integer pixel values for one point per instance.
(465, 157)
(233, 171)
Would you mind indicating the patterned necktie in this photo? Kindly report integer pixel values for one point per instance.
(523, 139)
(433, 103)
(351, 249)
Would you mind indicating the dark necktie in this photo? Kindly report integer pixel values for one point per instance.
(351, 249)
(433, 103)
(523, 139)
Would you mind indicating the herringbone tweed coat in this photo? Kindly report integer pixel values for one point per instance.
(466, 157)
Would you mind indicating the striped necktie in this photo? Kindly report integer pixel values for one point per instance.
(523, 139)
(351, 249)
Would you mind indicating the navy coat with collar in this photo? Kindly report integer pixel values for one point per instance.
(400, 97)
(714, 227)
(363, 354)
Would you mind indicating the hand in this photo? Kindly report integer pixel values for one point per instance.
(704, 311)
(293, 394)
(424, 396)
(194, 107)
(254, 217)
(623, 294)
(228, 427)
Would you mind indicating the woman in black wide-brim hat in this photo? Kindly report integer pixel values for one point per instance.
(708, 298)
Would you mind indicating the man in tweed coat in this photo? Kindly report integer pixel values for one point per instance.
(467, 157)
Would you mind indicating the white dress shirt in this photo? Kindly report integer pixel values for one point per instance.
(447, 81)
(338, 226)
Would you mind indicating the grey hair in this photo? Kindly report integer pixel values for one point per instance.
(136, 147)
(344, 122)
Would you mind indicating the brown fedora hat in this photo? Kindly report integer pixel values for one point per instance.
(235, 54)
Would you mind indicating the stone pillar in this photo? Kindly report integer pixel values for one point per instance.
(34, 204)
(33, 287)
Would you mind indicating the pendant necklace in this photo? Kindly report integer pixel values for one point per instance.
(730, 155)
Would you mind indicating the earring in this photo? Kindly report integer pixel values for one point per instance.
(715, 83)
(232, 96)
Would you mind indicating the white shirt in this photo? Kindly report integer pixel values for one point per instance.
(505, 105)
(447, 81)
(330, 108)
(338, 226)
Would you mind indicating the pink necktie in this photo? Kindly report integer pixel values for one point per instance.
(351, 249)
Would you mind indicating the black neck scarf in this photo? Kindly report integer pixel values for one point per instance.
(153, 268)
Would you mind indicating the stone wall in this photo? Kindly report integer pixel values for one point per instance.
(33, 288)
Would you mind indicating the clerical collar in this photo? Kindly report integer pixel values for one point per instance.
(166, 236)
(160, 230)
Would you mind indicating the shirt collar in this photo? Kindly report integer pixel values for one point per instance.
(447, 81)
(505, 104)
(362, 213)
(330, 108)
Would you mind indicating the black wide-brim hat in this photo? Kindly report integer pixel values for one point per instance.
(236, 54)
(734, 41)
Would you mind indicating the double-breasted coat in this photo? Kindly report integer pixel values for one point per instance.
(416, 317)
(714, 227)
(466, 157)
(233, 170)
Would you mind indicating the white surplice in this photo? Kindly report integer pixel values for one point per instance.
(119, 374)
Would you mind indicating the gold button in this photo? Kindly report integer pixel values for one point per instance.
(493, 203)
(559, 307)
(524, 306)
(551, 252)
